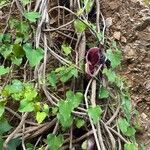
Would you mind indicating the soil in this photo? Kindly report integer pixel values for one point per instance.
(131, 28)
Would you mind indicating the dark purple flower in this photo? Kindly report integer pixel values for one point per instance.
(93, 57)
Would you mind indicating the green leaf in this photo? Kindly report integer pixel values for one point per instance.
(75, 99)
(46, 109)
(95, 113)
(79, 25)
(6, 38)
(60, 69)
(26, 106)
(110, 75)
(32, 16)
(4, 126)
(74, 72)
(79, 122)
(64, 115)
(65, 108)
(54, 111)
(55, 142)
(130, 146)
(29, 146)
(25, 2)
(16, 61)
(34, 56)
(52, 78)
(88, 5)
(126, 105)
(6, 50)
(130, 132)
(123, 125)
(30, 92)
(65, 122)
(1, 37)
(14, 24)
(37, 106)
(21, 27)
(1, 143)
(13, 144)
(103, 93)
(16, 87)
(142, 147)
(4, 70)
(40, 116)
(2, 107)
(67, 73)
(66, 49)
(18, 51)
(84, 145)
(114, 57)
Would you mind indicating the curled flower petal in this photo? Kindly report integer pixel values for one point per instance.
(93, 56)
(92, 60)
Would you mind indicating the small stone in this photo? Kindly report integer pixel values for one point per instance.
(123, 39)
(144, 116)
(108, 22)
(147, 85)
(129, 53)
(117, 35)
(114, 5)
(52, 21)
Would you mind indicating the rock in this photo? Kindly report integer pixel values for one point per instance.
(117, 35)
(129, 53)
(143, 25)
(108, 22)
(114, 5)
(147, 85)
(143, 116)
(144, 35)
(52, 21)
(123, 39)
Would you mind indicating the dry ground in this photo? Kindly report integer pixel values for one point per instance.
(131, 27)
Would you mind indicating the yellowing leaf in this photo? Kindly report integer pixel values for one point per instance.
(80, 123)
(88, 5)
(66, 49)
(40, 116)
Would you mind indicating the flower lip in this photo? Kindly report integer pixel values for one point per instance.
(92, 59)
(93, 56)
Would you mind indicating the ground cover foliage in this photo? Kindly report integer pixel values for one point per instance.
(59, 83)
